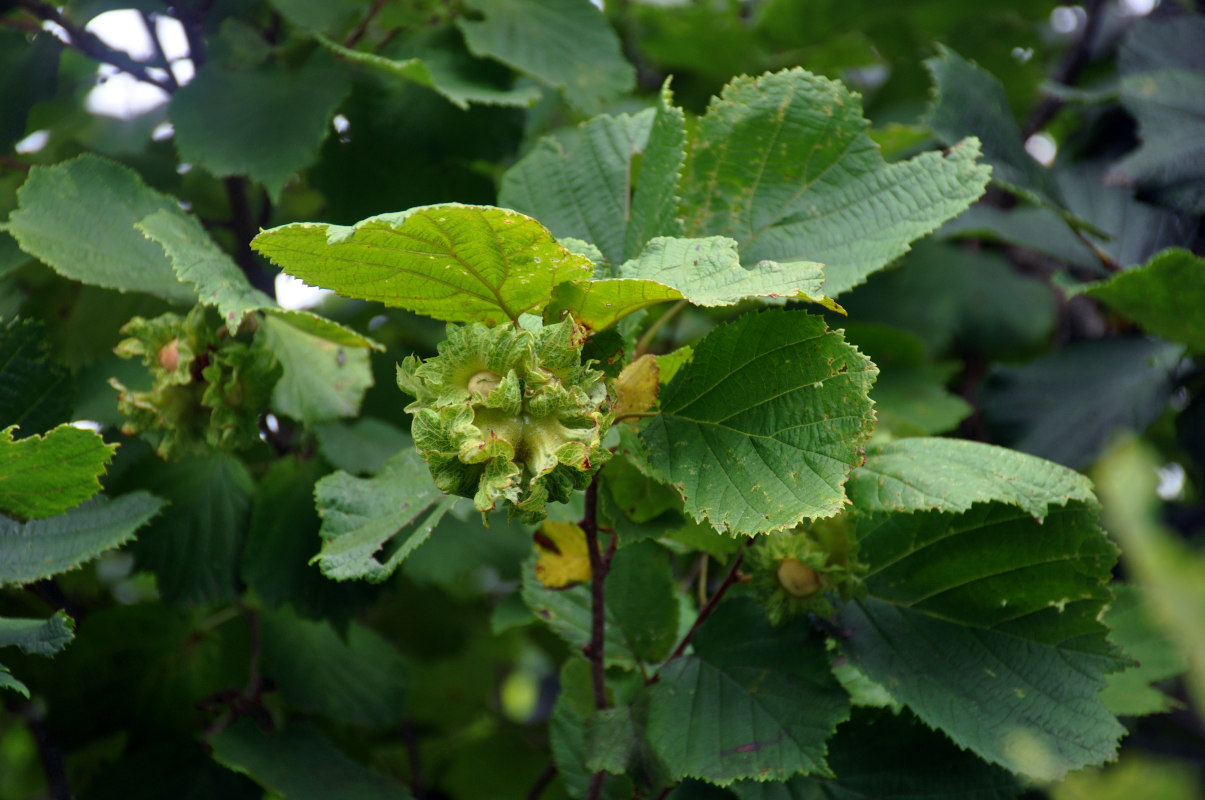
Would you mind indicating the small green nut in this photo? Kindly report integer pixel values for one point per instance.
(509, 415)
(805, 570)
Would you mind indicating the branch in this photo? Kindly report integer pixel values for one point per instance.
(153, 32)
(1065, 73)
(542, 782)
(49, 752)
(243, 223)
(598, 577)
(90, 45)
(358, 33)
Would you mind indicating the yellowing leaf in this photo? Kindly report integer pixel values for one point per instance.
(563, 559)
(636, 387)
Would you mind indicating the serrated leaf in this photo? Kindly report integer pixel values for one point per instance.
(1133, 628)
(199, 262)
(637, 386)
(301, 764)
(1162, 296)
(41, 476)
(970, 101)
(42, 637)
(453, 262)
(370, 525)
(580, 185)
(753, 701)
(78, 217)
(705, 272)
(193, 547)
(761, 429)
(987, 626)
(880, 755)
(357, 677)
(612, 740)
(1039, 407)
(640, 610)
(322, 380)
(38, 549)
(35, 392)
(7, 681)
(265, 123)
(784, 165)
(567, 44)
(951, 475)
(360, 447)
(568, 734)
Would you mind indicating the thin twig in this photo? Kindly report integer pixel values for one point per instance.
(1065, 73)
(542, 782)
(647, 339)
(193, 19)
(153, 32)
(242, 222)
(417, 788)
(598, 578)
(1107, 261)
(49, 752)
(90, 45)
(358, 33)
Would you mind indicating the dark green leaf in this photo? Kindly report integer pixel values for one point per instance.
(265, 123)
(357, 678)
(361, 447)
(760, 429)
(1134, 628)
(1161, 296)
(322, 379)
(181, 770)
(35, 393)
(300, 764)
(567, 44)
(28, 74)
(41, 476)
(195, 545)
(973, 620)
(45, 547)
(43, 637)
(78, 216)
(783, 164)
(752, 702)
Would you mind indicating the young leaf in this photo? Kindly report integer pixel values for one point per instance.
(199, 262)
(987, 625)
(357, 678)
(453, 262)
(43, 637)
(783, 164)
(40, 548)
(581, 186)
(41, 476)
(35, 393)
(951, 475)
(78, 216)
(752, 702)
(761, 429)
(266, 123)
(323, 379)
(563, 43)
(301, 764)
(370, 525)
(1162, 296)
(705, 272)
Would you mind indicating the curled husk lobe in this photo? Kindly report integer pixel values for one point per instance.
(509, 415)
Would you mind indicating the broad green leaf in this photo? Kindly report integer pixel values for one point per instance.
(199, 262)
(880, 755)
(567, 44)
(640, 610)
(784, 165)
(970, 101)
(987, 626)
(361, 447)
(300, 764)
(705, 272)
(459, 550)
(193, 547)
(310, 323)
(40, 548)
(265, 123)
(1132, 627)
(1170, 573)
(357, 678)
(568, 732)
(41, 476)
(28, 75)
(322, 379)
(612, 740)
(580, 184)
(1162, 296)
(78, 217)
(370, 525)
(180, 769)
(453, 262)
(753, 701)
(761, 429)
(282, 538)
(42, 637)
(1039, 407)
(951, 475)
(35, 393)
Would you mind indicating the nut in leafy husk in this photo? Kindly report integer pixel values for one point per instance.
(509, 415)
(804, 570)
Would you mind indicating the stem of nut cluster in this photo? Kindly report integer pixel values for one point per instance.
(598, 577)
(647, 338)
